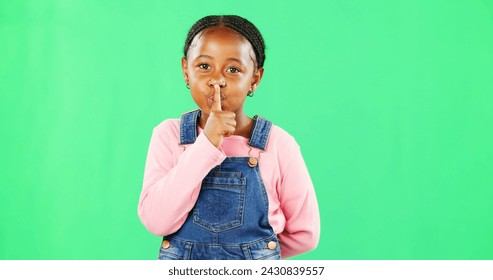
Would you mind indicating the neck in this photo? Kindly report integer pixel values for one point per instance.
(243, 125)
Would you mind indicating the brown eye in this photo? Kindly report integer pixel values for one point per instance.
(233, 70)
(204, 66)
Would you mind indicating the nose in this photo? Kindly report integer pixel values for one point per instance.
(217, 80)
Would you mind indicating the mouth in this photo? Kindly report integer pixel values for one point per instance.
(210, 99)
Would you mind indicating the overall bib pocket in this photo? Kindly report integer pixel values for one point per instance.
(220, 205)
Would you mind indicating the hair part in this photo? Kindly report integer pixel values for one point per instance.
(236, 23)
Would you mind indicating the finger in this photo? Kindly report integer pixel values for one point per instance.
(230, 130)
(228, 115)
(231, 123)
(216, 103)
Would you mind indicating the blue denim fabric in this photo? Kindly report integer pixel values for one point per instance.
(188, 127)
(260, 132)
(230, 218)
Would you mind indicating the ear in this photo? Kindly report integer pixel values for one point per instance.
(184, 68)
(257, 76)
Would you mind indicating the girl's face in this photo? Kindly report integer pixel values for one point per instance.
(219, 55)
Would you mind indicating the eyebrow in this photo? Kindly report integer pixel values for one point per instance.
(210, 57)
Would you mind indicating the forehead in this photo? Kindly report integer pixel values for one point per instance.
(220, 40)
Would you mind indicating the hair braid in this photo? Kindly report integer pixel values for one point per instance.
(238, 24)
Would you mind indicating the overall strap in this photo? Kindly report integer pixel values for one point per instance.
(260, 133)
(189, 127)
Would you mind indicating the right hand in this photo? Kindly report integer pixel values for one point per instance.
(220, 123)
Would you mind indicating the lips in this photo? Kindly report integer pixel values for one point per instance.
(210, 98)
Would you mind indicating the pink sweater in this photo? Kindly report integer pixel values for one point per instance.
(173, 176)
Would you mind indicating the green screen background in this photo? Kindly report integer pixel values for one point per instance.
(390, 101)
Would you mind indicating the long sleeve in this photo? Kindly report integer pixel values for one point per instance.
(172, 178)
(299, 205)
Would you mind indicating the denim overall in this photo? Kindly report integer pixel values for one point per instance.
(230, 218)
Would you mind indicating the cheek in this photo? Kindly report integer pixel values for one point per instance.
(192, 75)
(201, 101)
(242, 83)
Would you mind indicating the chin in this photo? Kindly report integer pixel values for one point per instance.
(205, 110)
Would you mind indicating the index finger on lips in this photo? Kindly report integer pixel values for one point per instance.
(216, 103)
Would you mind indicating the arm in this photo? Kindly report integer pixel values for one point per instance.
(171, 187)
(299, 205)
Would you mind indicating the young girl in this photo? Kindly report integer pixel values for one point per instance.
(217, 183)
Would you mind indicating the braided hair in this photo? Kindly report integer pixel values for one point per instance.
(238, 24)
